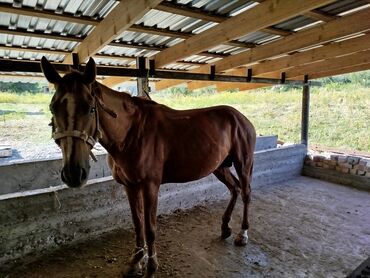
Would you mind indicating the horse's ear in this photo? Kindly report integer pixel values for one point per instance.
(49, 71)
(90, 71)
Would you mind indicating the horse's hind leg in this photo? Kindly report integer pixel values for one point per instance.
(244, 170)
(225, 176)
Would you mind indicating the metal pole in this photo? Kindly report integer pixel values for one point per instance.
(305, 111)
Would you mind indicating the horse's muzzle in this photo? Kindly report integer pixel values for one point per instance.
(74, 176)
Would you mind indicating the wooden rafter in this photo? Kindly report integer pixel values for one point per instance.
(225, 86)
(115, 80)
(319, 15)
(182, 35)
(353, 68)
(164, 84)
(188, 11)
(118, 20)
(313, 55)
(267, 13)
(8, 8)
(354, 23)
(358, 58)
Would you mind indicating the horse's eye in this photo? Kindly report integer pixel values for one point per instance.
(92, 110)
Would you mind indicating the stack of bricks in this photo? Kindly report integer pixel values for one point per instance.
(348, 164)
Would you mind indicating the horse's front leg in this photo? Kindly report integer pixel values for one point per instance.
(150, 193)
(135, 199)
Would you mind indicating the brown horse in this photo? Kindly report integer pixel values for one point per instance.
(149, 144)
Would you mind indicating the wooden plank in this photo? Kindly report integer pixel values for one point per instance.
(319, 15)
(353, 23)
(193, 12)
(345, 70)
(114, 80)
(358, 58)
(118, 20)
(165, 84)
(267, 13)
(226, 86)
(182, 35)
(28, 11)
(33, 50)
(38, 34)
(309, 56)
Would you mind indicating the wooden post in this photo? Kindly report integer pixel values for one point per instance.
(305, 111)
(143, 88)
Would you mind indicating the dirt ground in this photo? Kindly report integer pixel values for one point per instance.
(301, 228)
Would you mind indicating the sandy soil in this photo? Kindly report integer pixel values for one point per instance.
(301, 228)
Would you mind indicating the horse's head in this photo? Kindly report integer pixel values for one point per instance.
(75, 124)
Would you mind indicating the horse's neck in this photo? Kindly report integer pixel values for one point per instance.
(115, 130)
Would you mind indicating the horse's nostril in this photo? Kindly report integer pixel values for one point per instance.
(83, 174)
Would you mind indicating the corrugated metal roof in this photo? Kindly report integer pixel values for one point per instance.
(98, 9)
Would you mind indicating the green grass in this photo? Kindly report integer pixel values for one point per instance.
(339, 115)
(27, 98)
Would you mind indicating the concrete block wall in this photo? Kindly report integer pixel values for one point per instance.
(343, 169)
(42, 219)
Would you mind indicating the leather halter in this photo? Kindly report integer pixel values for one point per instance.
(89, 139)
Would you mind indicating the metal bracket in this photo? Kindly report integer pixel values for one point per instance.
(249, 75)
(76, 61)
(213, 72)
(283, 78)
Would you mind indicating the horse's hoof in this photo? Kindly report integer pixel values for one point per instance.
(133, 271)
(240, 240)
(152, 265)
(225, 233)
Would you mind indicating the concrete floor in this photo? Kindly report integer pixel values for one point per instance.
(300, 228)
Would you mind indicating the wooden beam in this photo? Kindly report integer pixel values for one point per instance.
(316, 54)
(353, 23)
(182, 35)
(118, 20)
(358, 58)
(8, 8)
(319, 15)
(38, 34)
(195, 85)
(114, 80)
(165, 84)
(345, 70)
(193, 12)
(226, 86)
(267, 13)
(33, 50)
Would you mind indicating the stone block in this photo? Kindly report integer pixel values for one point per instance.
(345, 165)
(364, 161)
(334, 157)
(342, 158)
(353, 171)
(353, 160)
(360, 167)
(345, 170)
(318, 164)
(360, 173)
(318, 158)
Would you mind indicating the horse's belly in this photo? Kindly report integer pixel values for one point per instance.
(178, 171)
